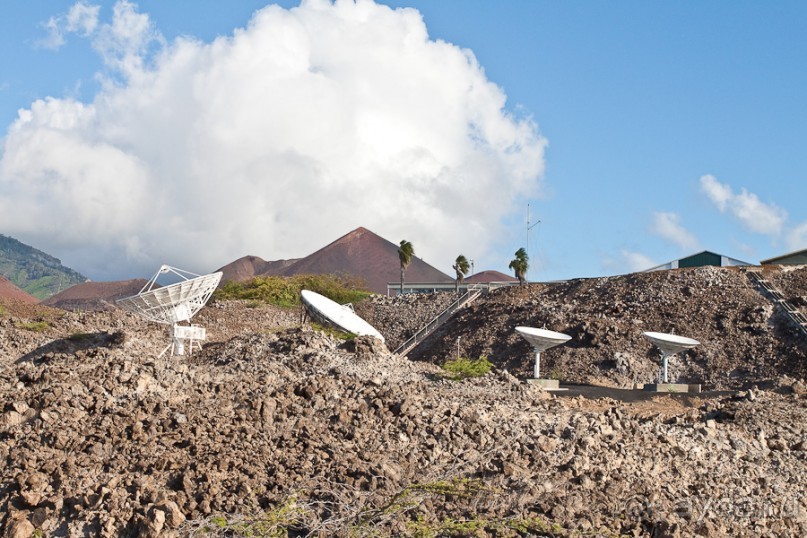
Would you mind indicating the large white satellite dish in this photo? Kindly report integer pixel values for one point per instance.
(342, 317)
(670, 344)
(541, 340)
(174, 303)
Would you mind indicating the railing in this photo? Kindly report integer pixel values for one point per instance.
(791, 311)
(473, 291)
(419, 287)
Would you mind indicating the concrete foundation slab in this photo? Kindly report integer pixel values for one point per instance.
(547, 384)
(672, 387)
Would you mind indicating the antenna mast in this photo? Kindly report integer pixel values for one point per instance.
(529, 227)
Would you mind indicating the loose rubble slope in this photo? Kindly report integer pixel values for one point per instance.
(274, 424)
(744, 337)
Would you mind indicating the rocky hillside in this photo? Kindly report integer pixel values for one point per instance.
(34, 271)
(744, 337)
(10, 292)
(274, 427)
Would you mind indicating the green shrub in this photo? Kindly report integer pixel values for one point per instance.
(285, 291)
(462, 368)
(272, 523)
(35, 326)
(80, 337)
(341, 335)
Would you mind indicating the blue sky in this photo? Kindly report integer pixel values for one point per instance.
(663, 129)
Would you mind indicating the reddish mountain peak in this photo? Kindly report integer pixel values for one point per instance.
(243, 268)
(248, 267)
(361, 230)
(356, 236)
(9, 291)
(367, 255)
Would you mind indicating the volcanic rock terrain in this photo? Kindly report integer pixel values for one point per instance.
(274, 426)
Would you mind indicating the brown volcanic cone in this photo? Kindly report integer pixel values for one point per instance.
(95, 296)
(372, 258)
(484, 277)
(11, 292)
(251, 266)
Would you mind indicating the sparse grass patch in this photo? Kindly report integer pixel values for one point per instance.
(400, 514)
(412, 496)
(34, 326)
(341, 335)
(285, 291)
(462, 368)
(80, 337)
(505, 527)
(456, 487)
(273, 523)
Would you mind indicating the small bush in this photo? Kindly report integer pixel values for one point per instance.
(462, 368)
(285, 291)
(272, 523)
(80, 337)
(341, 335)
(35, 326)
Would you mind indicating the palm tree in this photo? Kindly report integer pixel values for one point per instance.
(520, 265)
(461, 267)
(405, 253)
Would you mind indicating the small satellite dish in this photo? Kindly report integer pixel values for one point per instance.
(670, 344)
(173, 304)
(541, 340)
(341, 317)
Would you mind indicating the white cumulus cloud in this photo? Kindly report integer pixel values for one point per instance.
(754, 214)
(273, 141)
(667, 226)
(81, 19)
(797, 237)
(636, 261)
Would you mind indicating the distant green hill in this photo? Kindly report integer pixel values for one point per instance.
(38, 273)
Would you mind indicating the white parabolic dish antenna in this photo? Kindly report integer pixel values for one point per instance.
(174, 303)
(339, 316)
(541, 340)
(670, 344)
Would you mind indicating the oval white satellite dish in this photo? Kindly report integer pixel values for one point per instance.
(174, 303)
(339, 316)
(542, 339)
(671, 343)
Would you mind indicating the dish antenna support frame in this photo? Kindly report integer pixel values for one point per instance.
(173, 304)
